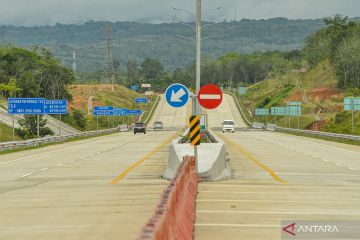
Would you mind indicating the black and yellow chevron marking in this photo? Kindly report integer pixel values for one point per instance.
(195, 130)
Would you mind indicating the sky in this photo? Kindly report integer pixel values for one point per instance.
(50, 12)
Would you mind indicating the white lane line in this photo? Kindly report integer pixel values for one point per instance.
(337, 164)
(24, 158)
(276, 193)
(58, 165)
(44, 169)
(202, 185)
(272, 201)
(320, 174)
(228, 107)
(353, 169)
(236, 225)
(24, 176)
(325, 145)
(280, 212)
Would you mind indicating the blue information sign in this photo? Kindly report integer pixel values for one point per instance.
(293, 111)
(261, 112)
(141, 100)
(120, 112)
(294, 103)
(56, 107)
(352, 104)
(177, 95)
(278, 111)
(26, 106)
(242, 90)
(134, 112)
(103, 111)
(134, 88)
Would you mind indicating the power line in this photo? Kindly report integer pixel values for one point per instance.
(110, 73)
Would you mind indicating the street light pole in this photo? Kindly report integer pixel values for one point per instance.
(196, 109)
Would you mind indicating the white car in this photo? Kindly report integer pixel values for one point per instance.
(228, 126)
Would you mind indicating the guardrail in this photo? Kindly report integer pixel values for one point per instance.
(321, 134)
(46, 140)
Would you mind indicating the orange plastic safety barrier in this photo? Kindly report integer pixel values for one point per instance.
(174, 217)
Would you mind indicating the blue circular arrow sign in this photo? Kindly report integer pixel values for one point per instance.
(177, 95)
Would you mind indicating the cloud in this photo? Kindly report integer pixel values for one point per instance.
(49, 12)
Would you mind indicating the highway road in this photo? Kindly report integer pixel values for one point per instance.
(107, 187)
(276, 177)
(100, 188)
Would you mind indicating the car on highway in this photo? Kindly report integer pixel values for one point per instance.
(139, 128)
(228, 126)
(158, 126)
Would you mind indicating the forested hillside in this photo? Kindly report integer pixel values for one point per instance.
(136, 41)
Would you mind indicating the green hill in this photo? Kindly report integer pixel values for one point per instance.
(318, 91)
(159, 41)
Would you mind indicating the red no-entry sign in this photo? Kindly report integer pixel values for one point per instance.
(210, 96)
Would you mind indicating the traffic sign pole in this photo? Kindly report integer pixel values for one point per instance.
(60, 125)
(13, 128)
(38, 126)
(352, 116)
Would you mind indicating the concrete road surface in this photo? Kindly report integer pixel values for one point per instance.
(171, 117)
(100, 188)
(277, 177)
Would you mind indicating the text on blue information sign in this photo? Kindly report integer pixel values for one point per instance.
(26, 106)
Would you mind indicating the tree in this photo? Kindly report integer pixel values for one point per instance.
(28, 127)
(80, 119)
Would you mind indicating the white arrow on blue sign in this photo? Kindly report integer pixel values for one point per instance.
(177, 95)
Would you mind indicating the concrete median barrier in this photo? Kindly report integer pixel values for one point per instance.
(213, 164)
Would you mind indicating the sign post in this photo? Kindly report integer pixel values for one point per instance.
(13, 128)
(38, 125)
(352, 104)
(59, 107)
(26, 106)
(195, 136)
(102, 111)
(294, 109)
(242, 91)
(262, 112)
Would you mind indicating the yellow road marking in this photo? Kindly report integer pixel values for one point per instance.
(257, 162)
(132, 167)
